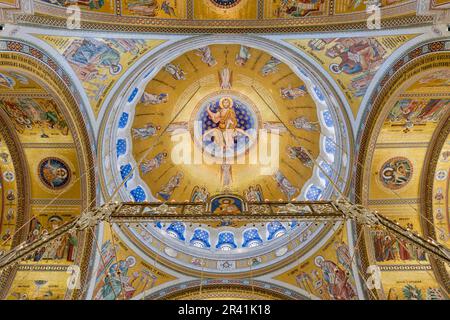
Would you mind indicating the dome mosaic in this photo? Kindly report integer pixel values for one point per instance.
(192, 127)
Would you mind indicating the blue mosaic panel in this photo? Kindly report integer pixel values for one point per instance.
(138, 194)
(148, 73)
(328, 119)
(121, 147)
(251, 238)
(200, 238)
(123, 120)
(133, 94)
(293, 224)
(302, 72)
(275, 230)
(328, 170)
(319, 93)
(177, 229)
(313, 193)
(226, 239)
(330, 146)
(125, 171)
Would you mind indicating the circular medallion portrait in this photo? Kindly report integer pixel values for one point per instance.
(396, 173)
(54, 173)
(227, 126)
(225, 3)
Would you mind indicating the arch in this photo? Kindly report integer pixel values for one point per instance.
(230, 289)
(421, 59)
(426, 193)
(9, 136)
(36, 65)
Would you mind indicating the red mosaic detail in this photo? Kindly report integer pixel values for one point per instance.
(415, 53)
(36, 53)
(436, 46)
(399, 64)
(15, 46)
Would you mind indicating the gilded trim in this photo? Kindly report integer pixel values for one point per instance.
(224, 26)
(191, 289)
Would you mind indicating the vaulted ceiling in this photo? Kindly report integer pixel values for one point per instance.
(94, 115)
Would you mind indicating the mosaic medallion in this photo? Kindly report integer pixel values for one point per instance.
(396, 173)
(54, 173)
(226, 125)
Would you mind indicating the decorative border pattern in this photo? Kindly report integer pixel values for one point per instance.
(224, 26)
(220, 284)
(401, 145)
(409, 267)
(41, 267)
(48, 145)
(64, 202)
(393, 201)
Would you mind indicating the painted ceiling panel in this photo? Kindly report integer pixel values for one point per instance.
(98, 63)
(352, 62)
(209, 94)
(415, 112)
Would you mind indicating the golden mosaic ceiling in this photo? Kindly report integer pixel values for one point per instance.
(212, 101)
(262, 15)
(142, 100)
(414, 116)
(263, 97)
(44, 184)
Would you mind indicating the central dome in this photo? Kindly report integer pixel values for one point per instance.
(227, 124)
(212, 102)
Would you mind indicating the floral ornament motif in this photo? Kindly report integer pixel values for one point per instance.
(8, 176)
(441, 175)
(226, 265)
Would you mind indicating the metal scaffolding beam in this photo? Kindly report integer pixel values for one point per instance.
(321, 211)
(265, 211)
